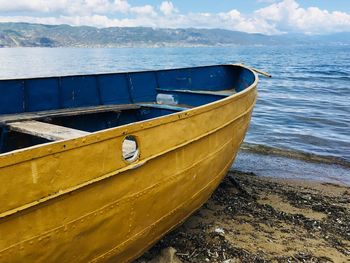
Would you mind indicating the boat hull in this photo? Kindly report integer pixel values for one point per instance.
(79, 201)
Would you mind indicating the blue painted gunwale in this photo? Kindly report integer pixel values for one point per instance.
(50, 93)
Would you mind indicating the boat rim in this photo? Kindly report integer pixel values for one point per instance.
(123, 130)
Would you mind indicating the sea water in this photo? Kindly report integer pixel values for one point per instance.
(305, 106)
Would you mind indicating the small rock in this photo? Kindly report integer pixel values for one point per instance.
(219, 230)
(167, 255)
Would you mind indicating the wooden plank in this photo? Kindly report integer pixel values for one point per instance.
(223, 93)
(45, 130)
(66, 112)
(176, 107)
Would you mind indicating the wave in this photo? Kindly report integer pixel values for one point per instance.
(294, 154)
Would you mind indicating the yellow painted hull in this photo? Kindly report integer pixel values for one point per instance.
(79, 201)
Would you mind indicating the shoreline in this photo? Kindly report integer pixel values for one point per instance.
(294, 154)
(253, 218)
(273, 162)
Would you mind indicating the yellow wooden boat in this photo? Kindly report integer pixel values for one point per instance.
(97, 168)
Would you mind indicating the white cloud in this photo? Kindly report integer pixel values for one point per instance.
(146, 10)
(22, 5)
(236, 21)
(72, 7)
(167, 8)
(279, 17)
(288, 16)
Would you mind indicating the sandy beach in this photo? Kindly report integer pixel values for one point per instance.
(252, 218)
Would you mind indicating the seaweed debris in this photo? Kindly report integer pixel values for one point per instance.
(258, 219)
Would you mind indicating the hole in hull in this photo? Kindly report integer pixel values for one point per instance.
(130, 149)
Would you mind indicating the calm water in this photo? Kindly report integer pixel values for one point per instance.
(305, 106)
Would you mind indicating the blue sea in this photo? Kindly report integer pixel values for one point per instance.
(304, 107)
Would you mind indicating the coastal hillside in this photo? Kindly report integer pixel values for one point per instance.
(38, 35)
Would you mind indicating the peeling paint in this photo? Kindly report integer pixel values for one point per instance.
(35, 174)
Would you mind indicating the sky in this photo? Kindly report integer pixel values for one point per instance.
(253, 16)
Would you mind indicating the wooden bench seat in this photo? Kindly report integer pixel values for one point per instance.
(222, 93)
(165, 106)
(47, 131)
(65, 112)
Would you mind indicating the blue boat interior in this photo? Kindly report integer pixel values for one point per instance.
(91, 103)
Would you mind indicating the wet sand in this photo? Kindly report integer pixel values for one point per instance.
(262, 219)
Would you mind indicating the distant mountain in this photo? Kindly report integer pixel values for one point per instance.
(38, 35)
(340, 38)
